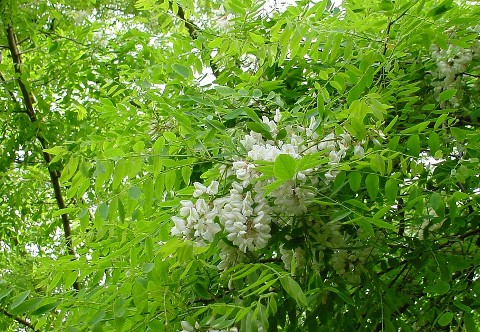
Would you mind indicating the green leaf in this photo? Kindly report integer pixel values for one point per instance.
(434, 143)
(441, 8)
(45, 308)
(181, 70)
(225, 90)
(390, 125)
(355, 180)
(382, 224)
(458, 133)
(437, 203)
(439, 288)
(119, 173)
(158, 145)
(445, 318)
(418, 128)
(441, 119)
(446, 95)
(364, 225)
(97, 317)
(336, 85)
(256, 93)
(391, 190)
(252, 115)
(26, 306)
(357, 128)
(470, 322)
(260, 128)
(17, 300)
(56, 151)
(342, 214)
(70, 278)
(5, 293)
(119, 307)
(63, 211)
(413, 145)
(386, 5)
(114, 153)
(294, 290)
(256, 38)
(378, 163)
(372, 183)
(186, 173)
(358, 204)
(272, 186)
(134, 192)
(378, 109)
(284, 167)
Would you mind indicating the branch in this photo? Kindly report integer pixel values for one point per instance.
(192, 28)
(193, 31)
(472, 75)
(389, 27)
(29, 100)
(19, 320)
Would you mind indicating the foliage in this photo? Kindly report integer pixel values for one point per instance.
(222, 166)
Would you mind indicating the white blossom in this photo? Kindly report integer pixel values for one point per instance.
(246, 220)
(358, 151)
(244, 214)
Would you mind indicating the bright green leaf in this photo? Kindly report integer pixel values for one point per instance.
(446, 95)
(181, 70)
(284, 167)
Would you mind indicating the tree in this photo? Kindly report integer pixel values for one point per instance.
(226, 166)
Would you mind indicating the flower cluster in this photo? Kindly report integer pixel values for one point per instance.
(452, 64)
(187, 327)
(243, 214)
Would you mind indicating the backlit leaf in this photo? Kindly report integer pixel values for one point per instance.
(284, 167)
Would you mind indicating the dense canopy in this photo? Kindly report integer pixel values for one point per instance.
(239, 165)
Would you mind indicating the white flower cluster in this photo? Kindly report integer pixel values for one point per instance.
(187, 327)
(288, 255)
(243, 215)
(452, 63)
(196, 221)
(350, 264)
(347, 255)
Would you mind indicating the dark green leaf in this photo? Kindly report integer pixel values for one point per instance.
(260, 128)
(355, 180)
(445, 318)
(439, 288)
(372, 183)
(413, 145)
(391, 190)
(26, 306)
(294, 290)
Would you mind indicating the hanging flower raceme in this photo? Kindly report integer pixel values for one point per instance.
(242, 213)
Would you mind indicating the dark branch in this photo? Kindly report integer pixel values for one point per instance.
(193, 31)
(19, 320)
(29, 101)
